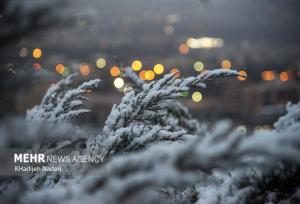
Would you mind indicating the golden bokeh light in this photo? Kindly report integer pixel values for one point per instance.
(23, 52)
(149, 75)
(85, 70)
(119, 83)
(169, 30)
(197, 96)
(244, 73)
(176, 72)
(284, 76)
(115, 71)
(101, 62)
(268, 75)
(198, 66)
(136, 65)
(226, 64)
(37, 53)
(59, 68)
(142, 75)
(159, 69)
(183, 49)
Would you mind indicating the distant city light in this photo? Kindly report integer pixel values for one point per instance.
(149, 75)
(169, 30)
(183, 48)
(176, 72)
(226, 64)
(37, 53)
(142, 75)
(198, 66)
(85, 70)
(197, 96)
(268, 75)
(283, 76)
(23, 52)
(59, 68)
(158, 69)
(173, 18)
(119, 83)
(204, 42)
(37, 66)
(242, 72)
(136, 65)
(101, 62)
(115, 71)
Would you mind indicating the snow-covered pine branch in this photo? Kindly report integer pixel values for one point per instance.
(59, 104)
(226, 166)
(139, 110)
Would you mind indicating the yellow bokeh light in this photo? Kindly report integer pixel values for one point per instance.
(197, 96)
(85, 70)
(158, 69)
(283, 76)
(242, 72)
(119, 83)
(176, 72)
(37, 53)
(101, 62)
(59, 68)
(183, 49)
(142, 75)
(115, 71)
(149, 75)
(198, 66)
(136, 65)
(226, 64)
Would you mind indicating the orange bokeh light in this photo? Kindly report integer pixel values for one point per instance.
(37, 53)
(115, 71)
(142, 75)
(183, 48)
(283, 76)
(176, 72)
(60, 68)
(268, 75)
(149, 75)
(85, 70)
(242, 72)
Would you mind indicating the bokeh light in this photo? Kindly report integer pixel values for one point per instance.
(283, 76)
(198, 66)
(242, 72)
(268, 75)
(226, 64)
(85, 70)
(37, 53)
(37, 66)
(23, 52)
(169, 30)
(136, 65)
(142, 75)
(119, 83)
(59, 68)
(66, 71)
(183, 48)
(197, 96)
(115, 71)
(101, 62)
(158, 69)
(149, 75)
(176, 72)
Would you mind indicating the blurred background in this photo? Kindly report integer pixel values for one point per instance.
(42, 41)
